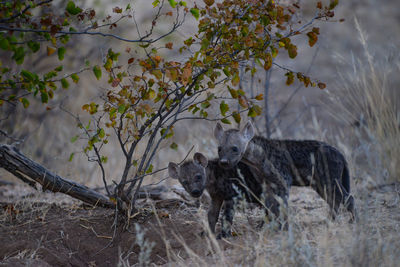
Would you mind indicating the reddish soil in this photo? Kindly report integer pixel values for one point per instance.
(50, 234)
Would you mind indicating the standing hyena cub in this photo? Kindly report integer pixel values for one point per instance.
(223, 185)
(289, 162)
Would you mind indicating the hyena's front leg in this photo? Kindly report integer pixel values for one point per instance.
(226, 223)
(213, 212)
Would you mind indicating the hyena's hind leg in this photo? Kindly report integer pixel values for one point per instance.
(329, 185)
(348, 199)
(327, 182)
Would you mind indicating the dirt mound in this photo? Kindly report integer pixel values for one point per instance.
(79, 236)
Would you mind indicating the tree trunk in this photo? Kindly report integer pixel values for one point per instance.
(31, 173)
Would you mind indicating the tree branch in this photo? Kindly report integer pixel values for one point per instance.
(18, 164)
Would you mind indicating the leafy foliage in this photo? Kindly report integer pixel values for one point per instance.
(150, 92)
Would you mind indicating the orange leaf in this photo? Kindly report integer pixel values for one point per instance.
(168, 45)
(259, 97)
(321, 86)
(243, 102)
(115, 82)
(187, 72)
(312, 38)
(50, 50)
(268, 61)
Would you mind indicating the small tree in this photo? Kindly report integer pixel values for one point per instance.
(149, 92)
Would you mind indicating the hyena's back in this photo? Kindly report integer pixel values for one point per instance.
(312, 163)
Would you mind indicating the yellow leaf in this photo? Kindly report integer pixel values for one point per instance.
(235, 79)
(259, 97)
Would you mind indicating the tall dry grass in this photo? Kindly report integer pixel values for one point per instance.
(369, 102)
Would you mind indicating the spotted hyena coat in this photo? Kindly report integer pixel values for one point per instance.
(282, 163)
(224, 185)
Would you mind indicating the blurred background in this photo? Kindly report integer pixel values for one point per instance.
(358, 111)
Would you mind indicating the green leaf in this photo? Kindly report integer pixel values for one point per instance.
(236, 117)
(4, 44)
(28, 75)
(71, 157)
(75, 77)
(333, 4)
(74, 138)
(205, 104)
(97, 72)
(174, 146)
(24, 102)
(72, 9)
(155, 3)
(104, 159)
(61, 52)
(34, 46)
(195, 12)
(102, 134)
(226, 121)
(45, 97)
(168, 134)
(64, 83)
(233, 92)
(224, 108)
(150, 169)
(19, 55)
(172, 3)
(121, 108)
(252, 113)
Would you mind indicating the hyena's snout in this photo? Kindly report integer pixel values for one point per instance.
(225, 163)
(196, 192)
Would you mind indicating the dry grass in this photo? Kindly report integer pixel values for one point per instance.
(370, 103)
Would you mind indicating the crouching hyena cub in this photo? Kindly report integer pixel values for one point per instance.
(289, 162)
(223, 185)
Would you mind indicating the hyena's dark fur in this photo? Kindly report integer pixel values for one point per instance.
(289, 162)
(223, 185)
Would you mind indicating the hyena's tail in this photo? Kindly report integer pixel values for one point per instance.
(346, 178)
(348, 199)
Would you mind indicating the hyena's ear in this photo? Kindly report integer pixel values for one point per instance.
(200, 159)
(218, 132)
(248, 131)
(173, 170)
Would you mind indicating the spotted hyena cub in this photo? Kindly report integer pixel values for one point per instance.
(223, 185)
(283, 163)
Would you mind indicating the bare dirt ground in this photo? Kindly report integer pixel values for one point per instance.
(40, 233)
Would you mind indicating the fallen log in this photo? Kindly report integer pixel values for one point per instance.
(33, 173)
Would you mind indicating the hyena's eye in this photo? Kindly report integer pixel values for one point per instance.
(185, 183)
(235, 149)
(198, 177)
(219, 149)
